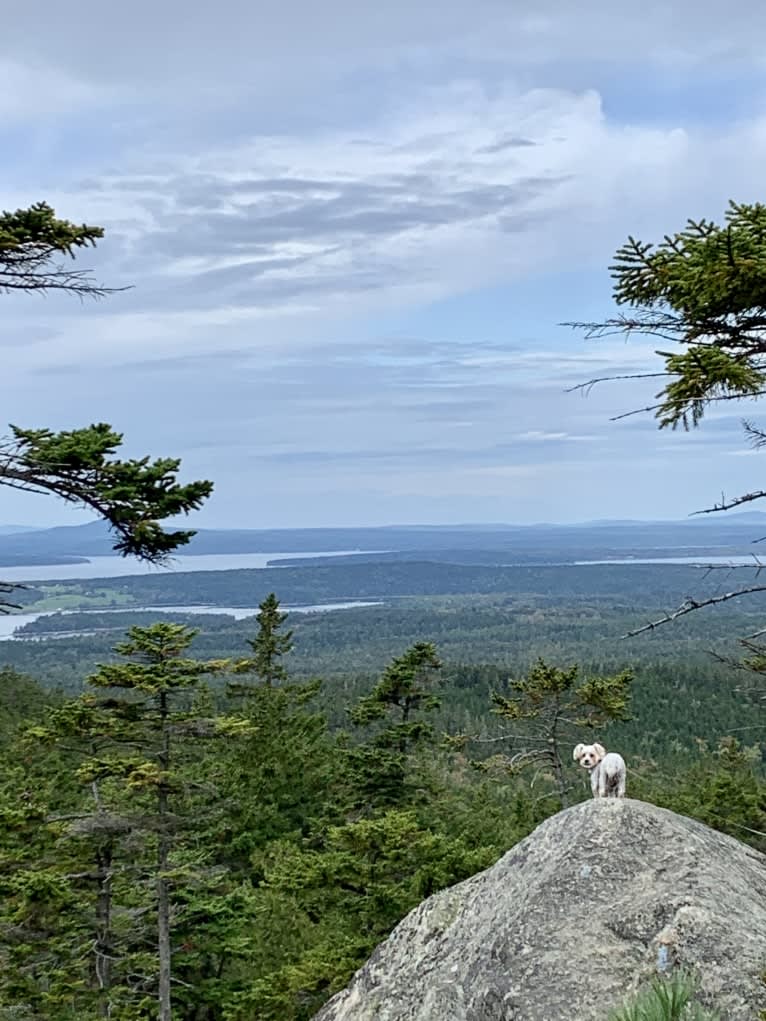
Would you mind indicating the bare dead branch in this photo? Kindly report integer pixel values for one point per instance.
(590, 383)
(30, 271)
(662, 325)
(736, 501)
(711, 331)
(518, 738)
(757, 436)
(520, 759)
(689, 605)
(757, 566)
(6, 588)
(708, 400)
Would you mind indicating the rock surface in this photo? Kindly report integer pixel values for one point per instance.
(571, 920)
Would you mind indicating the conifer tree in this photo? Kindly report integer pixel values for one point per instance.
(701, 290)
(375, 853)
(269, 646)
(724, 789)
(132, 742)
(80, 466)
(45, 910)
(393, 716)
(404, 692)
(30, 239)
(156, 682)
(550, 708)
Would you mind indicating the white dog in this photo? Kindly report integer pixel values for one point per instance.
(607, 771)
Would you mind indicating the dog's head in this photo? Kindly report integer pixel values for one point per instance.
(589, 755)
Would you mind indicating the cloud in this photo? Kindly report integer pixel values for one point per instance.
(284, 236)
(540, 436)
(27, 92)
(351, 233)
(390, 405)
(296, 44)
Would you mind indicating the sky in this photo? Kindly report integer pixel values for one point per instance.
(351, 232)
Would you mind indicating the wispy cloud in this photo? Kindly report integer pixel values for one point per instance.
(281, 197)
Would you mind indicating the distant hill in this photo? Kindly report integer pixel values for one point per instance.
(544, 543)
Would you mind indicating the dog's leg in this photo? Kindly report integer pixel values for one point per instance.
(621, 784)
(603, 783)
(594, 781)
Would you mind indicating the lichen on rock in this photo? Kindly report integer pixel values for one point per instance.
(593, 903)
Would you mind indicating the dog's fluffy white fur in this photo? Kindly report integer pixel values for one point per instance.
(607, 770)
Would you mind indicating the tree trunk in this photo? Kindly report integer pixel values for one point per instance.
(163, 886)
(405, 717)
(163, 931)
(560, 779)
(558, 767)
(104, 949)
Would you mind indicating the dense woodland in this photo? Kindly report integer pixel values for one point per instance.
(565, 615)
(320, 774)
(623, 585)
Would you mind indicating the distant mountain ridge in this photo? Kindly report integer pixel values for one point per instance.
(730, 534)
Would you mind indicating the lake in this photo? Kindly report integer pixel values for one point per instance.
(116, 567)
(119, 567)
(9, 622)
(716, 561)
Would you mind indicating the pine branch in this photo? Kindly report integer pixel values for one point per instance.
(131, 496)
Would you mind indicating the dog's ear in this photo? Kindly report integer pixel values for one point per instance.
(599, 750)
(577, 753)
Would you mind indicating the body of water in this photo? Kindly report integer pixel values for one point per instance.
(698, 561)
(119, 567)
(114, 567)
(11, 621)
